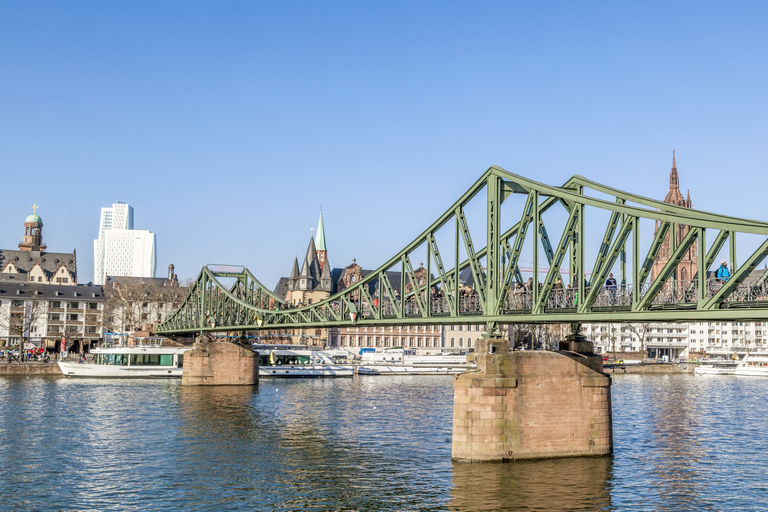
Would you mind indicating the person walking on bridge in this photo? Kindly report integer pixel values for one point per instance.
(612, 287)
(723, 274)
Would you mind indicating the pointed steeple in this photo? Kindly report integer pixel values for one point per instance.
(293, 281)
(326, 272)
(674, 180)
(320, 242)
(311, 252)
(304, 269)
(322, 254)
(688, 200)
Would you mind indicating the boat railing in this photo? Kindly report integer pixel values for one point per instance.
(112, 340)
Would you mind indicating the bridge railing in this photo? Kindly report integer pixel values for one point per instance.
(679, 292)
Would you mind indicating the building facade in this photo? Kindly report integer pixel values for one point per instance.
(140, 303)
(120, 249)
(43, 315)
(31, 263)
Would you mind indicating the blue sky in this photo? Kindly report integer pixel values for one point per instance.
(227, 124)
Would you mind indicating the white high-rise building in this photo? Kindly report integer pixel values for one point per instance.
(121, 250)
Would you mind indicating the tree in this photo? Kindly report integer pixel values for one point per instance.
(640, 330)
(20, 318)
(132, 302)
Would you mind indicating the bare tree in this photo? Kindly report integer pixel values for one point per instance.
(640, 330)
(518, 334)
(21, 318)
(133, 302)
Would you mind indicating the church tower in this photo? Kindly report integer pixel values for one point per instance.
(320, 243)
(33, 233)
(689, 264)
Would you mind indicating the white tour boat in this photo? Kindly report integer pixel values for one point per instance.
(146, 358)
(295, 361)
(752, 366)
(716, 367)
(399, 361)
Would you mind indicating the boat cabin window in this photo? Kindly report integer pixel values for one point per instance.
(115, 359)
(151, 359)
(283, 359)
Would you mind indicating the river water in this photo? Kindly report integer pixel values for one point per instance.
(368, 443)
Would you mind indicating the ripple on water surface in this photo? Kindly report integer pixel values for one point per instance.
(368, 443)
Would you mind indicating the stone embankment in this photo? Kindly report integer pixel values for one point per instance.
(649, 368)
(29, 369)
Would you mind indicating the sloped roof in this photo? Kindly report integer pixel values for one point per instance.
(49, 261)
(19, 291)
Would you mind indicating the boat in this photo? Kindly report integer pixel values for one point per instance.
(752, 366)
(399, 361)
(301, 361)
(716, 367)
(117, 359)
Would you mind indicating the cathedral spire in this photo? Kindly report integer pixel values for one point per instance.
(674, 180)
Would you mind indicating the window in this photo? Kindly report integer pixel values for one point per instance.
(461, 327)
(452, 344)
(93, 305)
(72, 317)
(74, 305)
(55, 316)
(55, 304)
(17, 303)
(461, 342)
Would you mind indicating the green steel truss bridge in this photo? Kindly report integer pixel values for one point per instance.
(522, 230)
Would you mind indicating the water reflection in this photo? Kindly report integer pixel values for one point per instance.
(566, 484)
(681, 443)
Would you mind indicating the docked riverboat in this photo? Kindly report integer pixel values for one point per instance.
(716, 367)
(752, 366)
(398, 361)
(291, 361)
(117, 359)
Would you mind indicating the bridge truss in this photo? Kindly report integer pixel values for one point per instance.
(474, 275)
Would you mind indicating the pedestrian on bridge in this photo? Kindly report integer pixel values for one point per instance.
(723, 274)
(612, 287)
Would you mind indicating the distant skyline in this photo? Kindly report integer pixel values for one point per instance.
(226, 125)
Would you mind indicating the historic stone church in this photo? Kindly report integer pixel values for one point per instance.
(689, 263)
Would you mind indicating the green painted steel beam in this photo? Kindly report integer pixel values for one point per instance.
(248, 305)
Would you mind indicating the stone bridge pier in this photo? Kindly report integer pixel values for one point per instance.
(532, 404)
(219, 363)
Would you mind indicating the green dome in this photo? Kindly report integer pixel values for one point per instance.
(34, 218)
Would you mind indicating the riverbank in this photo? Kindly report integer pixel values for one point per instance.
(30, 369)
(649, 368)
